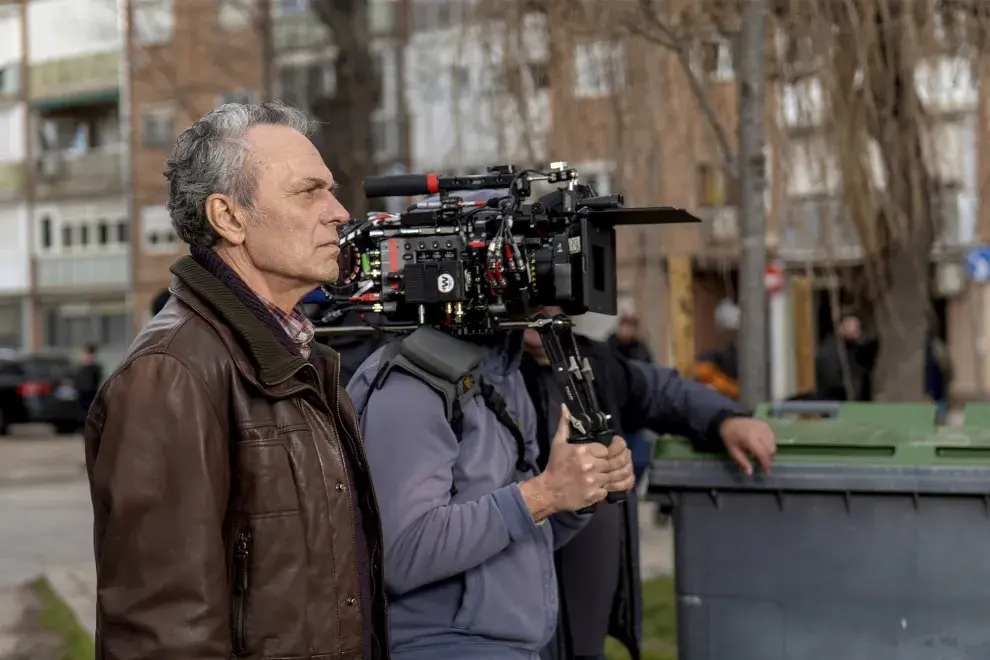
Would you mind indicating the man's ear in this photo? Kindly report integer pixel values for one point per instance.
(227, 218)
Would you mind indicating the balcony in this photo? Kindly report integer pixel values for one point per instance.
(65, 175)
(299, 32)
(99, 271)
(956, 213)
(12, 181)
(74, 80)
(818, 229)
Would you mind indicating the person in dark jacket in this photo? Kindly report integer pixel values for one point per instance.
(626, 341)
(158, 304)
(598, 569)
(88, 378)
(846, 344)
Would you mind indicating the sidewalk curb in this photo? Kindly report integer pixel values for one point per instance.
(75, 587)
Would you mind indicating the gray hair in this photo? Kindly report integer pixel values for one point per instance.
(208, 158)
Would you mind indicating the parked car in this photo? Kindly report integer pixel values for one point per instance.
(38, 389)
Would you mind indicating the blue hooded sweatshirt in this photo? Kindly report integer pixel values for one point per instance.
(468, 575)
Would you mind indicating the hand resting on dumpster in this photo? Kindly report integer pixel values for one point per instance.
(657, 398)
(744, 437)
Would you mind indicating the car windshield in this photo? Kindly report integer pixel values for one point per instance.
(47, 368)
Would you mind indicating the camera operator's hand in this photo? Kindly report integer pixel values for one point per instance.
(576, 476)
(621, 477)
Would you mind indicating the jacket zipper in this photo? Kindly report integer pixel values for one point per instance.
(373, 505)
(242, 551)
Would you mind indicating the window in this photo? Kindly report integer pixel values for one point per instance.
(599, 69)
(302, 84)
(157, 233)
(84, 235)
(385, 137)
(713, 188)
(381, 15)
(113, 330)
(46, 233)
(103, 232)
(284, 7)
(234, 14)
(717, 61)
(812, 167)
(66, 236)
(66, 330)
(123, 232)
(242, 96)
(157, 126)
(539, 75)
(10, 79)
(460, 80)
(153, 21)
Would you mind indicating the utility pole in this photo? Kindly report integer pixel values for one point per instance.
(753, 364)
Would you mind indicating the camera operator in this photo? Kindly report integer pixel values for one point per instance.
(598, 569)
(468, 552)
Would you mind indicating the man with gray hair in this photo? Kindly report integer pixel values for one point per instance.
(234, 513)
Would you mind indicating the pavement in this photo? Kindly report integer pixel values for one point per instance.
(45, 523)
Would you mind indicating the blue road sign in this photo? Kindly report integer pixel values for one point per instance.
(978, 263)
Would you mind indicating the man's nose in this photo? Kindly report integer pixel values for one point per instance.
(336, 213)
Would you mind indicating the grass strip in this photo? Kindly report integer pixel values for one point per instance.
(58, 618)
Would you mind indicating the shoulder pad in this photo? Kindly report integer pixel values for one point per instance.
(449, 366)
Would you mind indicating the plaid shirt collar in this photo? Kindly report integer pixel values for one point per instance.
(299, 328)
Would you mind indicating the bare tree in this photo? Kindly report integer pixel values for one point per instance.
(345, 138)
(863, 57)
(192, 75)
(867, 56)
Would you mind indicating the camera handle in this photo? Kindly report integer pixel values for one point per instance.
(573, 375)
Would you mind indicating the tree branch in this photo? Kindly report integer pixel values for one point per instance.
(680, 45)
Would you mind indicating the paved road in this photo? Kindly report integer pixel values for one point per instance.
(45, 521)
(43, 525)
(45, 513)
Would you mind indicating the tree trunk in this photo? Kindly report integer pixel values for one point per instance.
(902, 326)
(753, 372)
(345, 137)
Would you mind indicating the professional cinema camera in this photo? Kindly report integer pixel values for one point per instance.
(467, 266)
(476, 258)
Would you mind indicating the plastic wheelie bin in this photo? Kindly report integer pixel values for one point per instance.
(863, 543)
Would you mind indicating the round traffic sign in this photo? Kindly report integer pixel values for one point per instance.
(773, 278)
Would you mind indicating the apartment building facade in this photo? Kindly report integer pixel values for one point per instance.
(179, 69)
(809, 229)
(623, 112)
(64, 208)
(15, 255)
(184, 57)
(475, 81)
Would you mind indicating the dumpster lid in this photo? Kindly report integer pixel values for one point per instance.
(848, 441)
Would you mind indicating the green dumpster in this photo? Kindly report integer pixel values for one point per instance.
(864, 542)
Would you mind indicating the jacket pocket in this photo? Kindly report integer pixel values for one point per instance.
(241, 583)
(271, 612)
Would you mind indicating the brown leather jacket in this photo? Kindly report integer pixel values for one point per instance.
(224, 520)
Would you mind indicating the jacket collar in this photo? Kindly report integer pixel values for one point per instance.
(275, 364)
